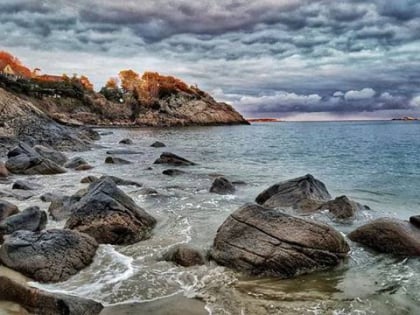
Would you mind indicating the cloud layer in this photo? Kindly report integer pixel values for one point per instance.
(277, 57)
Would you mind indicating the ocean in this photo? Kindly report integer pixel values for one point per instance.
(375, 163)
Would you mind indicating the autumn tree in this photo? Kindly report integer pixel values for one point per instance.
(9, 59)
(112, 84)
(86, 83)
(129, 80)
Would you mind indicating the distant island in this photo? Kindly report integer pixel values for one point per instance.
(253, 120)
(406, 118)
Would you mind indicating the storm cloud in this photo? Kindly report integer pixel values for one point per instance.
(269, 57)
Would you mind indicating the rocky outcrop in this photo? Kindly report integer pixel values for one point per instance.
(7, 209)
(30, 219)
(51, 154)
(184, 255)
(48, 256)
(24, 160)
(387, 235)
(110, 216)
(172, 159)
(342, 207)
(263, 241)
(222, 186)
(36, 301)
(303, 193)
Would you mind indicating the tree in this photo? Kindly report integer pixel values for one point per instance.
(86, 83)
(112, 83)
(129, 80)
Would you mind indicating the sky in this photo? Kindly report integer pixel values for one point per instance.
(291, 59)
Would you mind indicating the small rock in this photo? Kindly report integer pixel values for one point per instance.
(123, 152)
(342, 207)
(49, 197)
(172, 159)
(84, 167)
(30, 219)
(158, 144)
(51, 154)
(88, 179)
(222, 186)
(184, 255)
(75, 162)
(122, 182)
(7, 209)
(173, 172)
(415, 220)
(126, 141)
(25, 185)
(4, 173)
(239, 183)
(116, 160)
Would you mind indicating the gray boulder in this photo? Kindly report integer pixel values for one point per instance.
(172, 159)
(30, 219)
(184, 255)
(222, 186)
(110, 216)
(158, 144)
(342, 207)
(303, 193)
(51, 154)
(48, 256)
(263, 241)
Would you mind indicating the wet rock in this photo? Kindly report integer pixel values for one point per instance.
(16, 194)
(48, 256)
(147, 191)
(222, 186)
(60, 209)
(415, 220)
(158, 144)
(123, 182)
(123, 152)
(116, 160)
(75, 162)
(110, 216)
(184, 255)
(172, 159)
(7, 209)
(30, 219)
(173, 172)
(88, 179)
(24, 160)
(342, 207)
(4, 173)
(25, 185)
(51, 154)
(303, 193)
(387, 235)
(84, 167)
(36, 301)
(49, 197)
(263, 241)
(126, 141)
(106, 133)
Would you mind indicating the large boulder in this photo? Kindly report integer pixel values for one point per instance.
(48, 256)
(184, 255)
(30, 219)
(110, 216)
(51, 154)
(387, 235)
(263, 241)
(172, 159)
(304, 193)
(342, 207)
(222, 186)
(24, 160)
(37, 301)
(7, 209)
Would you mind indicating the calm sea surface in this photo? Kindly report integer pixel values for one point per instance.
(374, 163)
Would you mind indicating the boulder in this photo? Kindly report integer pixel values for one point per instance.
(37, 301)
(116, 160)
(4, 173)
(7, 209)
(184, 255)
(158, 144)
(48, 256)
(110, 216)
(51, 154)
(30, 219)
(25, 185)
(264, 241)
(303, 193)
(342, 207)
(84, 167)
(415, 220)
(222, 186)
(387, 235)
(24, 160)
(123, 152)
(172, 159)
(88, 179)
(126, 141)
(75, 162)
(173, 172)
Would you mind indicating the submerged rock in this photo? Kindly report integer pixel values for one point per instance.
(7, 209)
(126, 141)
(25, 185)
(172, 159)
(263, 241)
(173, 172)
(342, 207)
(415, 220)
(75, 162)
(116, 160)
(158, 144)
(184, 255)
(387, 235)
(51, 154)
(303, 193)
(110, 216)
(37, 301)
(30, 219)
(24, 160)
(222, 186)
(48, 256)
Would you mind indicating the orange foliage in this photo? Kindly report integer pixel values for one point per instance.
(17, 66)
(129, 79)
(86, 83)
(112, 83)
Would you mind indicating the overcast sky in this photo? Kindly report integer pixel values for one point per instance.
(293, 59)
